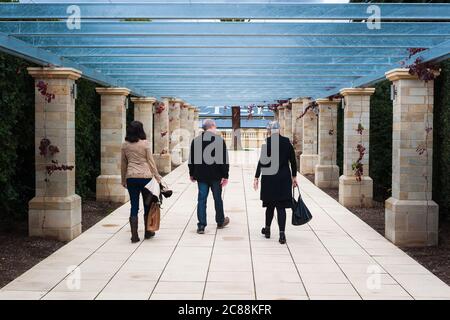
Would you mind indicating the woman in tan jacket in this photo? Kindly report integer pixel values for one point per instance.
(138, 168)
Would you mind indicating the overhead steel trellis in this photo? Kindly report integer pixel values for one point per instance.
(227, 53)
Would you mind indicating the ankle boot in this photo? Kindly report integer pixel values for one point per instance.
(282, 237)
(266, 232)
(134, 229)
(147, 234)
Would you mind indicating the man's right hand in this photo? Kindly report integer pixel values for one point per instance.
(192, 179)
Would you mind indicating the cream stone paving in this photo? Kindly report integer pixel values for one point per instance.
(335, 256)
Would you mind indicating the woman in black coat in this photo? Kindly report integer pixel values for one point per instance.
(277, 178)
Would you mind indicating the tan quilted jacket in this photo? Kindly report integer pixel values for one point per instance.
(137, 161)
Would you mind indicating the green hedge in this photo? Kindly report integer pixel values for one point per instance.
(380, 150)
(17, 174)
(87, 138)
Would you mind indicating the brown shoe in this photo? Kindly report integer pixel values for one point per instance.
(224, 223)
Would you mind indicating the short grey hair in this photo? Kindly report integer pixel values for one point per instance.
(208, 124)
(273, 126)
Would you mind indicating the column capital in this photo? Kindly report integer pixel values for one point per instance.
(54, 73)
(357, 91)
(143, 99)
(399, 74)
(327, 101)
(298, 100)
(280, 107)
(170, 99)
(113, 91)
(403, 74)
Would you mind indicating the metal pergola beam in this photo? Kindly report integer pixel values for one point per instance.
(88, 41)
(308, 11)
(229, 52)
(438, 53)
(155, 28)
(25, 50)
(203, 60)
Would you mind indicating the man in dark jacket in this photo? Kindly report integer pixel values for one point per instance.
(208, 165)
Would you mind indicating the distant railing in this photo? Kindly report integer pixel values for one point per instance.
(250, 138)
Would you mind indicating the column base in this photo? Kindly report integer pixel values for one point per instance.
(308, 163)
(326, 176)
(109, 188)
(353, 193)
(176, 157)
(411, 223)
(55, 217)
(163, 163)
(185, 153)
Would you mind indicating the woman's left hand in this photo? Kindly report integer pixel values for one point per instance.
(294, 182)
(255, 184)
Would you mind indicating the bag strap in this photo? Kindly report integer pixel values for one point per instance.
(298, 189)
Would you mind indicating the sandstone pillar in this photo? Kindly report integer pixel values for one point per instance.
(161, 137)
(309, 157)
(143, 112)
(326, 171)
(186, 131)
(112, 135)
(55, 211)
(288, 121)
(174, 131)
(297, 128)
(411, 214)
(356, 189)
(281, 119)
(195, 122)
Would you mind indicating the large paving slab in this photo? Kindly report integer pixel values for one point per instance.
(335, 256)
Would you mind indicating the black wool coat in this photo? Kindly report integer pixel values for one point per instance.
(208, 158)
(276, 175)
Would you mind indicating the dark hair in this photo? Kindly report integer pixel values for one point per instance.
(135, 132)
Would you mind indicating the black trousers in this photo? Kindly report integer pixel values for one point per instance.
(281, 217)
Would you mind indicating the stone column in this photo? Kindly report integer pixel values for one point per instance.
(143, 112)
(55, 211)
(191, 117)
(174, 130)
(275, 115)
(161, 137)
(195, 123)
(411, 214)
(309, 157)
(112, 135)
(288, 121)
(355, 191)
(326, 171)
(297, 128)
(186, 133)
(281, 120)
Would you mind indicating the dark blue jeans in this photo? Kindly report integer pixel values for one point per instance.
(135, 187)
(203, 191)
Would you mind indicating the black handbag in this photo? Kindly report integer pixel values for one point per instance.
(300, 213)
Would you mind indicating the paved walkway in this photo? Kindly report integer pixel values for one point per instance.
(336, 256)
